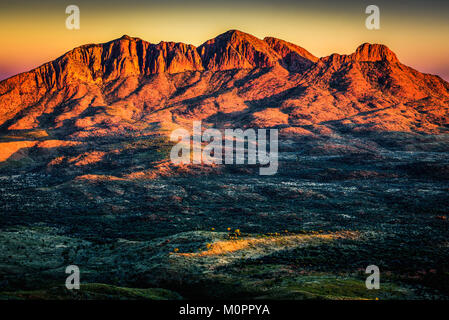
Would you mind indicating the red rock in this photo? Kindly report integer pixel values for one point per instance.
(235, 50)
(127, 85)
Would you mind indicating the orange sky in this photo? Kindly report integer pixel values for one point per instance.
(34, 33)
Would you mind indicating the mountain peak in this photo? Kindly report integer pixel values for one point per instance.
(374, 52)
(284, 47)
(235, 49)
(126, 37)
(235, 37)
(234, 34)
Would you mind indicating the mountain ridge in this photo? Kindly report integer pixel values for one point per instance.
(233, 79)
(271, 41)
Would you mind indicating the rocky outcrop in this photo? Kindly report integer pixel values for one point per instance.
(292, 57)
(236, 50)
(374, 52)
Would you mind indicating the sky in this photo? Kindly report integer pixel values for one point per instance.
(34, 32)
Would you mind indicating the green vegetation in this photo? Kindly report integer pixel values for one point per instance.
(205, 234)
(93, 291)
(331, 287)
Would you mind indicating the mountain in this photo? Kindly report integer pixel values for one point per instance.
(86, 177)
(130, 87)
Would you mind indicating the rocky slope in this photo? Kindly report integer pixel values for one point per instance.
(235, 78)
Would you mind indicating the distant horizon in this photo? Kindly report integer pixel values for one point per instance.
(415, 31)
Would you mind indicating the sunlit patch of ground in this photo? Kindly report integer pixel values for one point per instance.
(7, 149)
(267, 242)
(87, 158)
(97, 177)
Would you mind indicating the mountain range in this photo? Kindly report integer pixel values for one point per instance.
(130, 87)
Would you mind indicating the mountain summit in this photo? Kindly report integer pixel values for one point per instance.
(374, 52)
(238, 50)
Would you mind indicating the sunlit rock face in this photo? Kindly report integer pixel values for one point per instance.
(116, 87)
